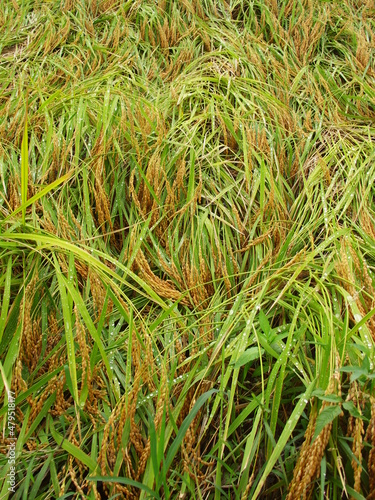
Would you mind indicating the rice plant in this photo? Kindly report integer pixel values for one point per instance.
(187, 249)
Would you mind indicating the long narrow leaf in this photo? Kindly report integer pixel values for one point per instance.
(71, 448)
(39, 195)
(67, 313)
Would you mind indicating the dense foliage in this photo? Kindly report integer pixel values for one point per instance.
(187, 248)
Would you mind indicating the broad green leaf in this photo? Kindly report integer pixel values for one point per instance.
(71, 448)
(264, 324)
(128, 482)
(325, 417)
(352, 409)
(247, 356)
(330, 398)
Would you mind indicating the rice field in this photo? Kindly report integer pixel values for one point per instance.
(187, 249)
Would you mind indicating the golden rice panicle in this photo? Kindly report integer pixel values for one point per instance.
(363, 51)
(170, 268)
(99, 294)
(164, 288)
(365, 300)
(18, 383)
(107, 456)
(191, 446)
(367, 223)
(299, 470)
(307, 468)
(162, 400)
(51, 360)
(163, 32)
(149, 360)
(74, 463)
(31, 337)
(170, 200)
(197, 290)
(125, 411)
(355, 431)
(311, 466)
(62, 402)
(84, 351)
(344, 269)
(135, 434)
(102, 205)
(13, 197)
(65, 230)
(357, 447)
(73, 477)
